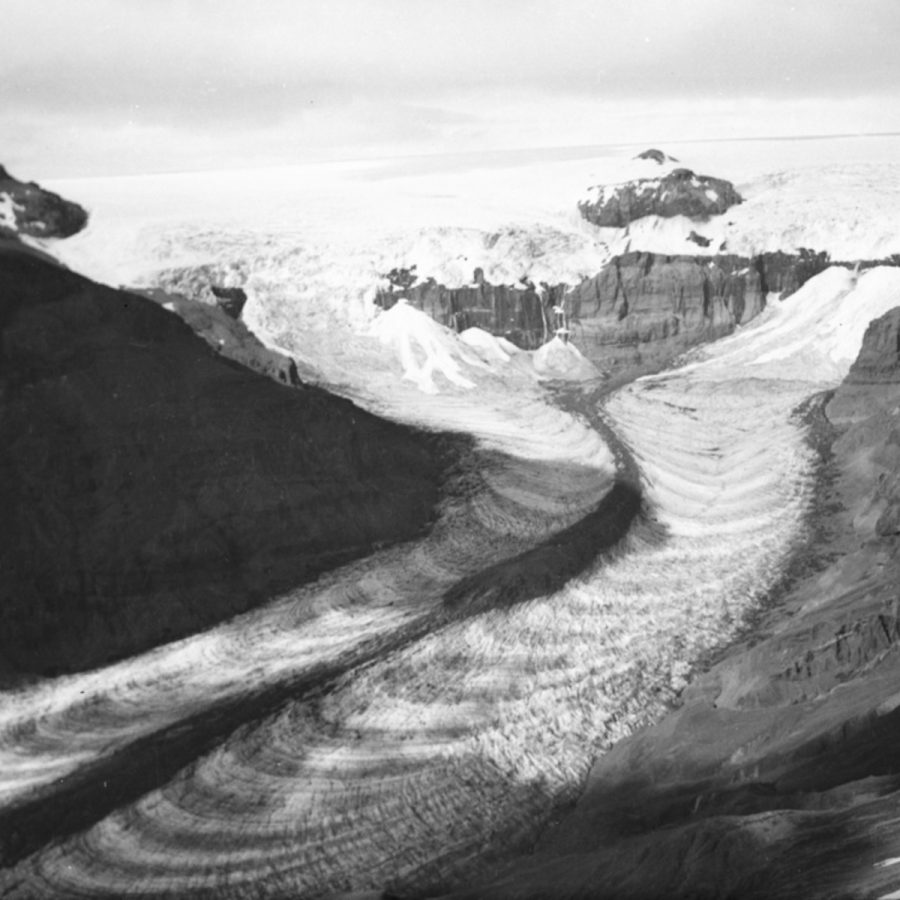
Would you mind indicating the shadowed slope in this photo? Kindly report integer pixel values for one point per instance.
(149, 488)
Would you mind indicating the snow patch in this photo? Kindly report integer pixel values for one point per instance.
(486, 345)
(558, 359)
(424, 348)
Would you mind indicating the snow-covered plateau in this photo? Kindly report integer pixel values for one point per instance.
(441, 742)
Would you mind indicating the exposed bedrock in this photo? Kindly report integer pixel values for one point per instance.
(641, 309)
(231, 299)
(28, 209)
(150, 487)
(778, 776)
(519, 312)
(681, 192)
(657, 156)
(867, 406)
(879, 359)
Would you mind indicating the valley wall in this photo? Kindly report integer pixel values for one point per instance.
(641, 310)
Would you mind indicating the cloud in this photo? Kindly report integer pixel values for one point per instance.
(357, 72)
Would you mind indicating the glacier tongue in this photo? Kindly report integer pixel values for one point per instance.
(456, 744)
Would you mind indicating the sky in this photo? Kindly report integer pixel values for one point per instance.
(90, 87)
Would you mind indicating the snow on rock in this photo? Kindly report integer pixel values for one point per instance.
(680, 192)
(424, 348)
(486, 345)
(850, 211)
(33, 213)
(558, 359)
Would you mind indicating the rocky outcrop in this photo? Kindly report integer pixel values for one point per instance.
(229, 336)
(30, 210)
(641, 309)
(214, 284)
(231, 299)
(679, 193)
(522, 312)
(868, 407)
(647, 305)
(879, 358)
(150, 487)
(656, 156)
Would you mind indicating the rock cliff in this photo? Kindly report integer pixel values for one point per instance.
(681, 192)
(644, 307)
(641, 309)
(27, 209)
(149, 487)
(519, 312)
(868, 405)
(777, 776)
(657, 156)
(879, 358)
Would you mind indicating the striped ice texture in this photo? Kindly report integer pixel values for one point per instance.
(413, 769)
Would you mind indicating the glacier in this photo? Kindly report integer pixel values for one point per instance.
(441, 741)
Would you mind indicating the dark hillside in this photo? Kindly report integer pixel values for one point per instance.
(150, 488)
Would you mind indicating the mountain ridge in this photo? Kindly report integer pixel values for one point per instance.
(150, 482)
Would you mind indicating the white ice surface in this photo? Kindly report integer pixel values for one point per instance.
(313, 242)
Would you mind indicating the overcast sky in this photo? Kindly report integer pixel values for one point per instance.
(120, 86)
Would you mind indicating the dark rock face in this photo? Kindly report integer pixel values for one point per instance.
(868, 405)
(641, 309)
(699, 239)
(149, 487)
(879, 359)
(522, 312)
(39, 213)
(647, 305)
(680, 193)
(656, 156)
(232, 300)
